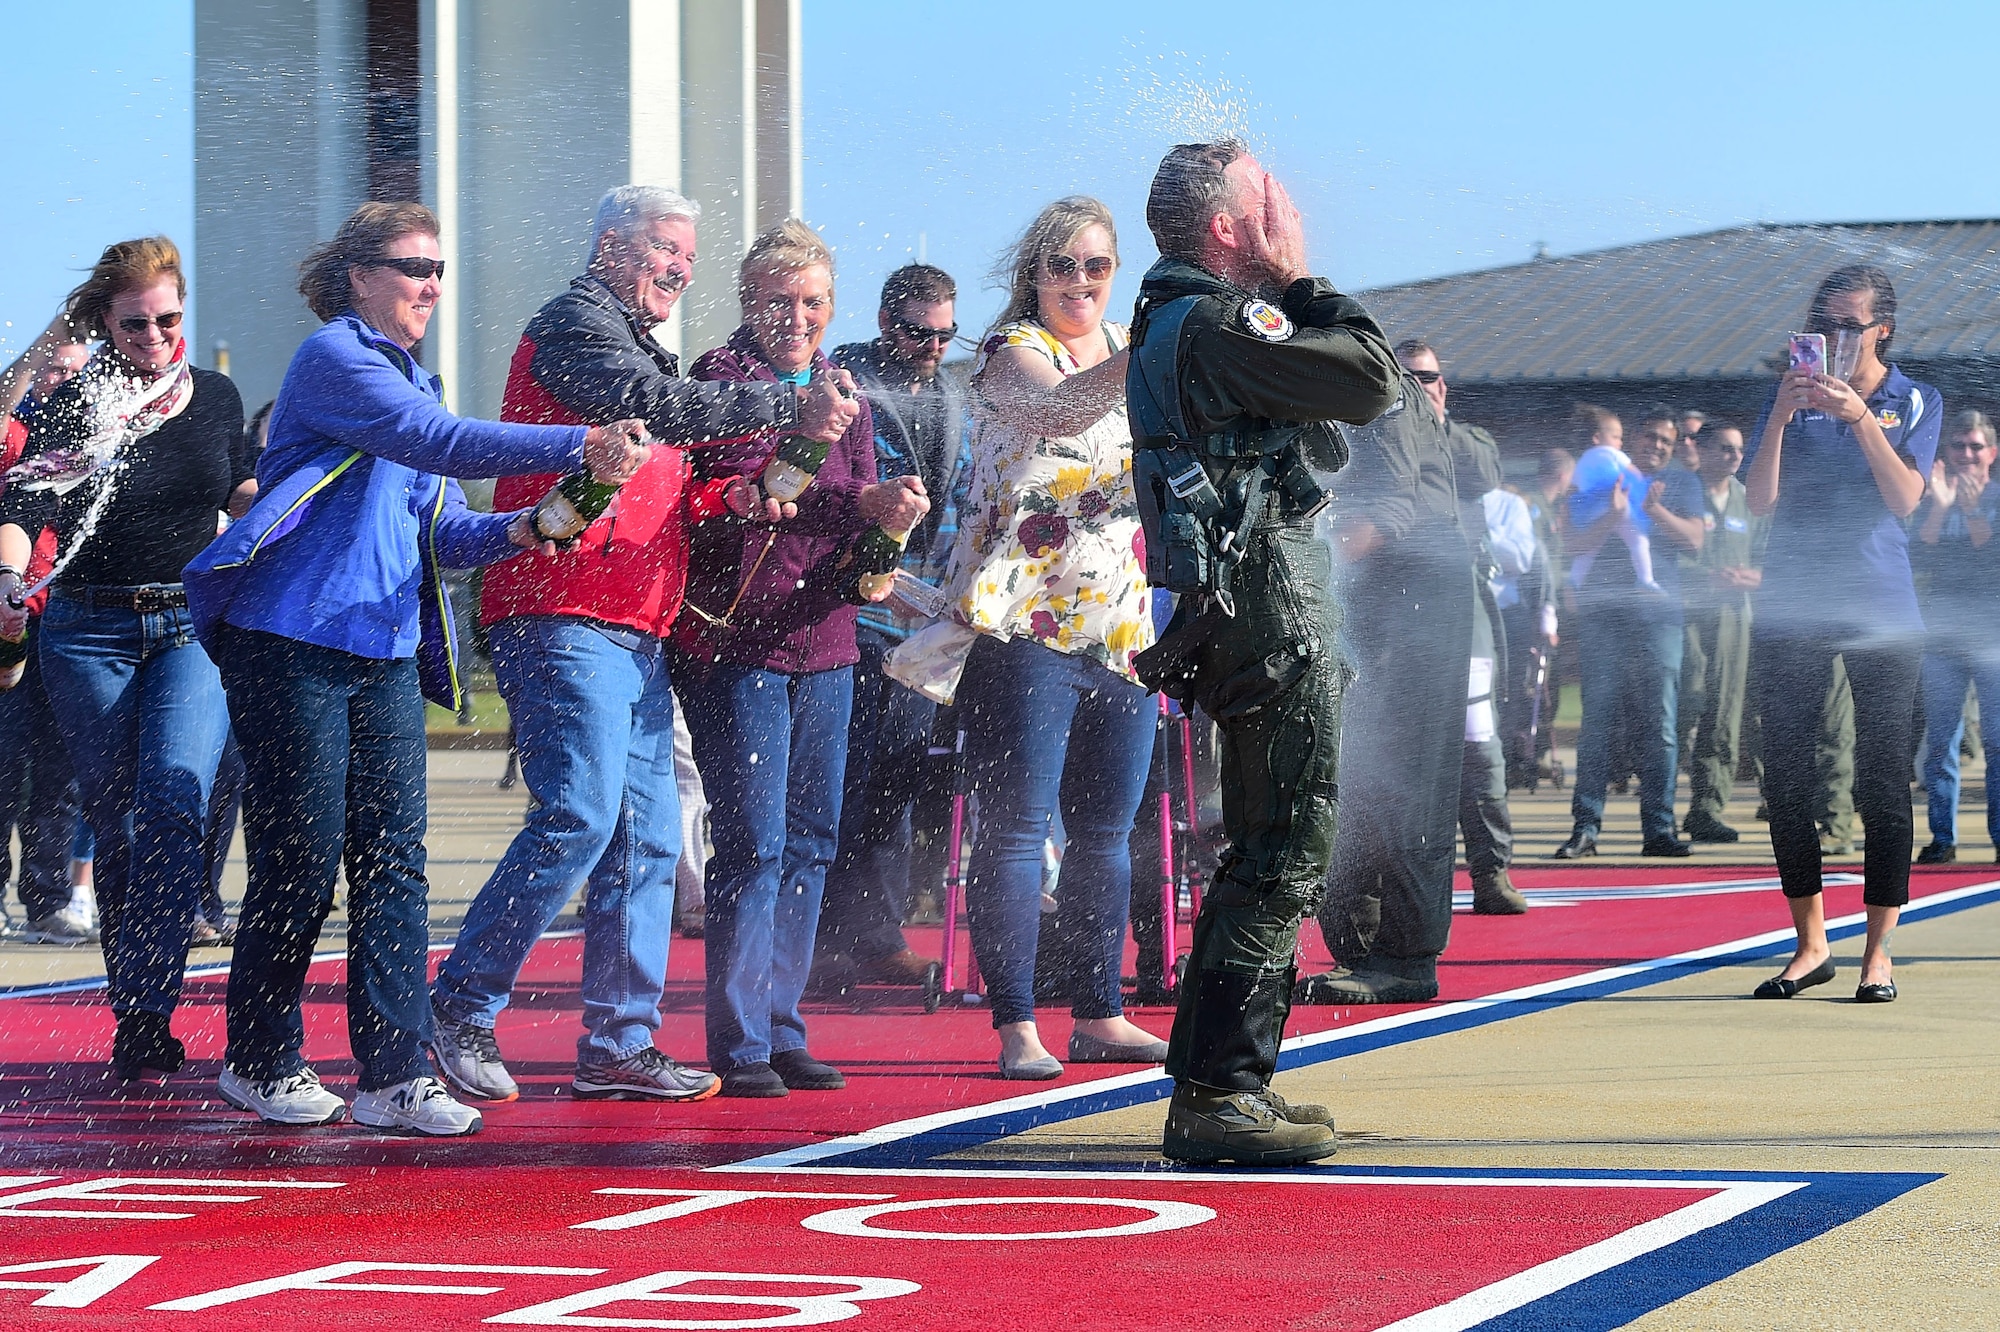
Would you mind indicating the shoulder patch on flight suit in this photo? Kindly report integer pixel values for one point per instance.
(1266, 320)
(1889, 418)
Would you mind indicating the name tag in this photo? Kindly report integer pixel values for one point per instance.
(1735, 524)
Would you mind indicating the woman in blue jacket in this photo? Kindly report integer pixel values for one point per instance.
(315, 608)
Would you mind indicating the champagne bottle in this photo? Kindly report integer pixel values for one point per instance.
(573, 504)
(875, 558)
(796, 463)
(793, 467)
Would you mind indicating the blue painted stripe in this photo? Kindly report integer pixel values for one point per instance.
(1616, 1296)
(923, 1148)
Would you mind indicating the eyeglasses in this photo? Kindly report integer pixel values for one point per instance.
(1717, 446)
(416, 267)
(1969, 445)
(138, 324)
(1097, 268)
(924, 332)
(1844, 326)
(1427, 376)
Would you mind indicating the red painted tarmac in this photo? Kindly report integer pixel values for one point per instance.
(274, 1203)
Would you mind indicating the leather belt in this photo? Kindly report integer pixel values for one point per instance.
(146, 599)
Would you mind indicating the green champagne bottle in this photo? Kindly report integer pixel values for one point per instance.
(875, 558)
(572, 505)
(793, 467)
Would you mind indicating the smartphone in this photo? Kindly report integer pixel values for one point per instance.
(1808, 352)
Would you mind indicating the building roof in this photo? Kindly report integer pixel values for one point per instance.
(1713, 306)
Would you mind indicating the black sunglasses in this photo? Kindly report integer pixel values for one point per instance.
(137, 324)
(1427, 376)
(924, 332)
(1096, 268)
(416, 266)
(1844, 326)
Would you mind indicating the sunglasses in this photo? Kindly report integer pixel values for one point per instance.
(416, 266)
(1844, 326)
(1427, 376)
(138, 324)
(1097, 268)
(924, 332)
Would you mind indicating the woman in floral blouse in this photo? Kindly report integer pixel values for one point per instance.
(1048, 570)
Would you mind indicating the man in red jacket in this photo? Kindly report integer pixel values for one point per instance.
(576, 642)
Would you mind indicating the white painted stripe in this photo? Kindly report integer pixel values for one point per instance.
(1470, 1310)
(795, 1157)
(1330, 1175)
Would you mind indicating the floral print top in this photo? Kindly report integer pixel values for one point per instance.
(1049, 544)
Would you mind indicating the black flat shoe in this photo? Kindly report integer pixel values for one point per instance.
(1884, 993)
(1670, 847)
(1581, 843)
(1778, 987)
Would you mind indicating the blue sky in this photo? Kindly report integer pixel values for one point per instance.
(1418, 140)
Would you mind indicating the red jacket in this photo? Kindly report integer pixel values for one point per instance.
(583, 351)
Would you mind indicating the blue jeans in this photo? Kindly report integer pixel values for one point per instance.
(594, 720)
(1948, 667)
(139, 705)
(333, 763)
(772, 749)
(1050, 734)
(1631, 665)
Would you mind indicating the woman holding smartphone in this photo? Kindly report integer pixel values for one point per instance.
(1839, 468)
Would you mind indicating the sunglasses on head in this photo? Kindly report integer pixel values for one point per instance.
(1427, 376)
(137, 324)
(1096, 268)
(416, 266)
(924, 332)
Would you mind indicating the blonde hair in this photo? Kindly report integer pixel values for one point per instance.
(1053, 228)
(362, 240)
(789, 247)
(128, 265)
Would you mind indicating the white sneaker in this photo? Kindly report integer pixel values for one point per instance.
(83, 905)
(421, 1105)
(295, 1099)
(64, 926)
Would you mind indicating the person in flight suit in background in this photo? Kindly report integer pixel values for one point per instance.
(1409, 592)
(1240, 360)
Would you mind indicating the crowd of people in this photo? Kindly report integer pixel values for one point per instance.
(781, 585)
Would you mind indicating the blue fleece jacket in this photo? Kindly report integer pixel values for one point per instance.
(349, 570)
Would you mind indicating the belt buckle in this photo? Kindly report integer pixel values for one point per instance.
(150, 600)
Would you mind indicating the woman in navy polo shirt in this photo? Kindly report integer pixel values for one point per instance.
(1839, 469)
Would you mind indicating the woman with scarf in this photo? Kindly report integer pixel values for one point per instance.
(129, 463)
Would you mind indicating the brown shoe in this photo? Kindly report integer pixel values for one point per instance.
(1207, 1126)
(899, 968)
(1495, 895)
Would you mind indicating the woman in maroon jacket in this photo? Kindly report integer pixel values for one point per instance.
(765, 669)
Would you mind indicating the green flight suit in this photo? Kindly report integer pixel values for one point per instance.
(1271, 676)
(1715, 663)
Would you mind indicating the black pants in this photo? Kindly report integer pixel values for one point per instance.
(1793, 673)
(37, 794)
(1409, 617)
(869, 885)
